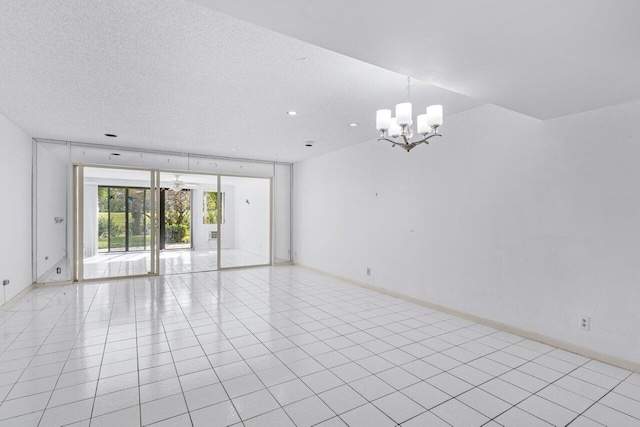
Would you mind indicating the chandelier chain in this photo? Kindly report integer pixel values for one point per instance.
(408, 88)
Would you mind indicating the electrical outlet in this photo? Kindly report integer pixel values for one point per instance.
(368, 271)
(5, 282)
(585, 323)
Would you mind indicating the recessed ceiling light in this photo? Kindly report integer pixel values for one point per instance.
(309, 143)
(115, 154)
(279, 154)
(292, 113)
(111, 135)
(233, 149)
(353, 125)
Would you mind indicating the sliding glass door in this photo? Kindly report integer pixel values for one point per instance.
(124, 218)
(115, 227)
(188, 226)
(132, 222)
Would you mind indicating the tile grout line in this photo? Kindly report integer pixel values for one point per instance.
(174, 367)
(135, 317)
(603, 396)
(67, 359)
(462, 363)
(247, 307)
(244, 360)
(480, 356)
(106, 340)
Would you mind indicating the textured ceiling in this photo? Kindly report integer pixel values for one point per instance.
(217, 76)
(176, 76)
(543, 58)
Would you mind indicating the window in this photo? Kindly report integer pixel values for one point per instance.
(211, 204)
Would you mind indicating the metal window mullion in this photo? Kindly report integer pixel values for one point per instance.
(218, 221)
(126, 219)
(80, 223)
(108, 219)
(144, 219)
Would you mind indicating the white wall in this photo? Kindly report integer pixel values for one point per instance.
(228, 227)
(90, 220)
(508, 218)
(53, 201)
(282, 213)
(15, 214)
(252, 221)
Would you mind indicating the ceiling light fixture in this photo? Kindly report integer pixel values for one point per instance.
(309, 143)
(111, 135)
(292, 113)
(177, 185)
(353, 125)
(400, 125)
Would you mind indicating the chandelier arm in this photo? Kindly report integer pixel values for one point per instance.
(426, 138)
(407, 144)
(391, 141)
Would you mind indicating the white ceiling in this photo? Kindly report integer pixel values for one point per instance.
(543, 58)
(176, 76)
(182, 76)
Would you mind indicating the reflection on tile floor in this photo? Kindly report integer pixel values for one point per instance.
(174, 261)
(283, 346)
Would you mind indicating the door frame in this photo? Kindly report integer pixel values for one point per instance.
(78, 221)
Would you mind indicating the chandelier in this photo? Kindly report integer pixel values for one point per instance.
(400, 125)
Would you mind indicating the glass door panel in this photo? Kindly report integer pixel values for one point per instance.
(177, 218)
(117, 222)
(188, 230)
(246, 217)
(139, 219)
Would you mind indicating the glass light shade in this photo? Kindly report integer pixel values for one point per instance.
(423, 125)
(383, 119)
(394, 128)
(434, 115)
(403, 113)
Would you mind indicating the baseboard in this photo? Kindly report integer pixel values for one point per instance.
(545, 339)
(46, 284)
(50, 272)
(16, 297)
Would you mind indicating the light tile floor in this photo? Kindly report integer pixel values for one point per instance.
(283, 346)
(173, 261)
